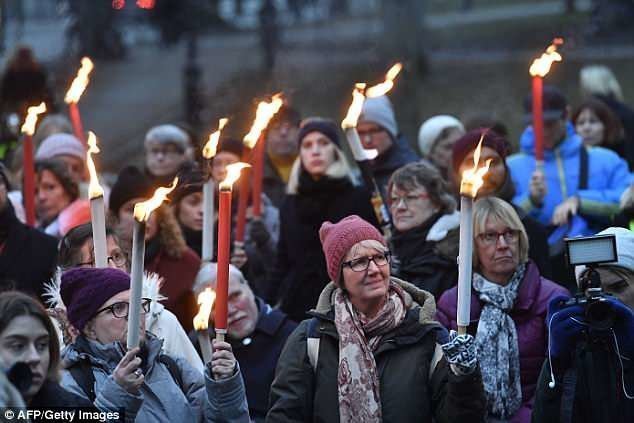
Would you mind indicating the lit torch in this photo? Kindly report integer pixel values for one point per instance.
(224, 231)
(74, 93)
(538, 70)
(97, 207)
(472, 180)
(360, 154)
(142, 213)
(201, 322)
(263, 116)
(209, 151)
(28, 129)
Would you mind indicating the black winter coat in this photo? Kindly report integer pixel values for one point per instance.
(53, 395)
(397, 156)
(404, 358)
(589, 390)
(258, 354)
(430, 265)
(300, 269)
(27, 256)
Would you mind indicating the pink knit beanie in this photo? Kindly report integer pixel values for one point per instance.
(338, 238)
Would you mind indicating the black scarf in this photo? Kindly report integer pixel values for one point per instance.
(194, 239)
(410, 244)
(152, 249)
(314, 197)
(7, 221)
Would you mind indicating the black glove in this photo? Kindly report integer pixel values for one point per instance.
(258, 233)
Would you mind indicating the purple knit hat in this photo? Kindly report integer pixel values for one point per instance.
(338, 238)
(469, 141)
(85, 290)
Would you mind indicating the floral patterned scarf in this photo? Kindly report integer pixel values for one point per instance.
(359, 336)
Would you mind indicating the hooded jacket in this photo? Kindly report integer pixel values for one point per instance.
(608, 177)
(414, 387)
(529, 315)
(160, 398)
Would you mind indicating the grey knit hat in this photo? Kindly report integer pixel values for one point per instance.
(168, 134)
(60, 144)
(379, 110)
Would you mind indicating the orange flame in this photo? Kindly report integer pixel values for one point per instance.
(205, 301)
(263, 116)
(233, 173)
(94, 189)
(541, 66)
(31, 118)
(354, 111)
(80, 82)
(385, 86)
(472, 179)
(210, 148)
(143, 209)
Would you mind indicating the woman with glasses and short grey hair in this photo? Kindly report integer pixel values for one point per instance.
(509, 302)
(425, 228)
(372, 351)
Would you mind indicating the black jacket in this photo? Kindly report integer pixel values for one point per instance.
(403, 358)
(272, 183)
(398, 155)
(430, 265)
(587, 390)
(300, 271)
(27, 256)
(53, 395)
(258, 354)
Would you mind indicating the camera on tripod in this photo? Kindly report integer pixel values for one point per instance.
(591, 251)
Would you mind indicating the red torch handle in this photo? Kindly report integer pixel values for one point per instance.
(28, 191)
(243, 199)
(222, 281)
(538, 118)
(75, 118)
(258, 174)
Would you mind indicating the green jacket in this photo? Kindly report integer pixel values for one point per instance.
(416, 384)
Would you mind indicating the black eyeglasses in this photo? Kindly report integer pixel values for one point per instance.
(119, 259)
(370, 132)
(121, 309)
(361, 264)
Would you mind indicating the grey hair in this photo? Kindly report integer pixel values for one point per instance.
(164, 134)
(208, 273)
(426, 175)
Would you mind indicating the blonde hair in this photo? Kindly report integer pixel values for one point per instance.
(599, 79)
(337, 170)
(493, 208)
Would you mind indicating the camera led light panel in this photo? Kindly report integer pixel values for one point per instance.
(591, 250)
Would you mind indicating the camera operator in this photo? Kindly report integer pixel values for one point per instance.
(589, 375)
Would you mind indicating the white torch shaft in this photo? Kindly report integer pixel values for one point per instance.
(98, 217)
(136, 281)
(205, 344)
(465, 257)
(208, 221)
(354, 142)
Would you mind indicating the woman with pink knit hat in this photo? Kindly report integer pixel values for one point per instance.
(372, 351)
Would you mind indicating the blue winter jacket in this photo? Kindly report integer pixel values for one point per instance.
(608, 177)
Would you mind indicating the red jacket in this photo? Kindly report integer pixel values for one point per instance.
(179, 275)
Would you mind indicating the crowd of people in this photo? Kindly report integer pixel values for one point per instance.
(331, 316)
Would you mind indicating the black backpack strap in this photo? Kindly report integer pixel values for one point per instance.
(173, 368)
(81, 371)
(583, 168)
